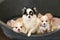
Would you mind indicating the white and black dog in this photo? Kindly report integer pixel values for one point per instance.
(30, 19)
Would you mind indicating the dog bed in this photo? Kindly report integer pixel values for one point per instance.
(12, 8)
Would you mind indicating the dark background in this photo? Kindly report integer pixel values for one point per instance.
(12, 8)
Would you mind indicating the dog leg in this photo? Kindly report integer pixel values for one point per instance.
(29, 33)
(48, 30)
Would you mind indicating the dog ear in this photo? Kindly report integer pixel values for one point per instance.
(11, 23)
(24, 9)
(50, 16)
(39, 15)
(35, 9)
(52, 21)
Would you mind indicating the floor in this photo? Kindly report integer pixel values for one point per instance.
(2, 36)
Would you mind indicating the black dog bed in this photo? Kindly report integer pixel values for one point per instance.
(12, 8)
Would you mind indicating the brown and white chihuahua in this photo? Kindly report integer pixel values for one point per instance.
(17, 25)
(45, 23)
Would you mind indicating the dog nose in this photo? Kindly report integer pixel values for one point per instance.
(28, 16)
(18, 29)
(44, 23)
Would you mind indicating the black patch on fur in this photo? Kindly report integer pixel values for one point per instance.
(25, 13)
(31, 13)
(34, 11)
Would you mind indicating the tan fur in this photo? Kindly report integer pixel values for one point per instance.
(56, 21)
(21, 21)
(55, 24)
(15, 24)
(55, 27)
(50, 16)
(10, 23)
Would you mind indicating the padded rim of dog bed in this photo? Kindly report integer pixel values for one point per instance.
(5, 25)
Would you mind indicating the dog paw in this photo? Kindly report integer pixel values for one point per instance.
(29, 35)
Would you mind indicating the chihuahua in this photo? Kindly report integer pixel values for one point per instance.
(30, 19)
(17, 25)
(45, 23)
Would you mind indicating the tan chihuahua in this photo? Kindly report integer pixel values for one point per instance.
(17, 25)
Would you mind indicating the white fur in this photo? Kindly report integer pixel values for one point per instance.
(28, 10)
(29, 23)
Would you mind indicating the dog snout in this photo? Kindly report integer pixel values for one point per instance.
(18, 29)
(28, 16)
(44, 23)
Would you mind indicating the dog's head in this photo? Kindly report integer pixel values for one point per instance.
(45, 19)
(16, 25)
(29, 12)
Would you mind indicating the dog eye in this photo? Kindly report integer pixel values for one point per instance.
(26, 14)
(46, 21)
(16, 27)
(20, 26)
(42, 20)
(31, 13)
